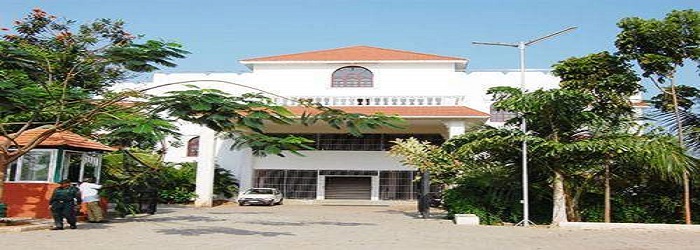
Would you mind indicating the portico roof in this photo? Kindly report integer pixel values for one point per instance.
(405, 111)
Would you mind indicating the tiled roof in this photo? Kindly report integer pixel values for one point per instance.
(356, 53)
(641, 104)
(403, 111)
(60, 139)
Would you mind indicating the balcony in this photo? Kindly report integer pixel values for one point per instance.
(375, 100)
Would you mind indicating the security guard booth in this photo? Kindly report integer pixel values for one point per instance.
(31, 179)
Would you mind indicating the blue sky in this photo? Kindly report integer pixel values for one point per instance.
(219, 33)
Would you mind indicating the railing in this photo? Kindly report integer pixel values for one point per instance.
(374, 100)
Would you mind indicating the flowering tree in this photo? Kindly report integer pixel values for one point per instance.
(51, 72)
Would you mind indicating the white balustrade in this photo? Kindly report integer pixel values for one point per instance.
(374, 100)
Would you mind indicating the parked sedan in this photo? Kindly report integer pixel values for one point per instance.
(262, 196)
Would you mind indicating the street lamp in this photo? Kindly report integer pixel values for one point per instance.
(523, 126)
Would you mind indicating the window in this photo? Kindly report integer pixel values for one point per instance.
(294, 184)
(80, 165)
(367, 142)
(501, 116)
(33, 166)
(193, 147)
(351, 77)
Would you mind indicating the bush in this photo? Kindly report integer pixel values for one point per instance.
(225, 183)
(456, 202)
(178, 195)
(129, 180)
(178, 183)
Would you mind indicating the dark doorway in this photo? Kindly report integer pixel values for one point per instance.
(348, 188)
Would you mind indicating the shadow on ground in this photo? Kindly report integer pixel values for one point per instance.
(218, 230)
(327, 223)
(434, 214)
(180, 218)
(239, 212)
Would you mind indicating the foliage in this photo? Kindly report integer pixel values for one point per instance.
(178, 183)
(125, 177)
(609, 79)
(52, 72)
(443, 168)
(687, 97)
(461, 201)
(488, 192)
(133, 128)
(225, 183)
(243, 118)
(180, 195)
(660, 46)
(561, 141)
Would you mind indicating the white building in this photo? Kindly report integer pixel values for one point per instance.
(434, 94)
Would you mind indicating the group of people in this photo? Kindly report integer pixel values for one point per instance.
(66, 199)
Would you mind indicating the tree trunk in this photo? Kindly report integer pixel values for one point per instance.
(559, 199)
(686, 181)
(572, 207)
(4, 163)
(607, 193)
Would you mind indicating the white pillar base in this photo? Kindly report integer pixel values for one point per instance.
(205, 168)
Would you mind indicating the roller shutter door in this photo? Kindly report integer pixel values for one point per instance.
(349, 188)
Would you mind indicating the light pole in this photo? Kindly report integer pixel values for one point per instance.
(523, 126)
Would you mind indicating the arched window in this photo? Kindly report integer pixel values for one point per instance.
(352, 76)
(193, 147)
(500, 115)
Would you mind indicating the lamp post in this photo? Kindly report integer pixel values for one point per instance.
(523, 126)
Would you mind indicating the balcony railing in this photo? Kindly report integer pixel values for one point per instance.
(375, 100)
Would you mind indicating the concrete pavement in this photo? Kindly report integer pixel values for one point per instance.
(304, 225)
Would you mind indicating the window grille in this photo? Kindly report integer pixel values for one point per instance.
(352, 77)
(367, 142)
(349, 172)
(294, 184)
(193, 147)
(501, 116)
(397, 185)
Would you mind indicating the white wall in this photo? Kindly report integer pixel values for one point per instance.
(313, 79)
(394, 79)
(332, 160)
(391, 79)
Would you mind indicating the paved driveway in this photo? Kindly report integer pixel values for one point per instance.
(302, 226)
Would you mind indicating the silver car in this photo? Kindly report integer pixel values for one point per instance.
(262, 196)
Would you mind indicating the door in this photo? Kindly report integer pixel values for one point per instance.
(348, 188)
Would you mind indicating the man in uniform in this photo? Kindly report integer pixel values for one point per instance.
(63, 204)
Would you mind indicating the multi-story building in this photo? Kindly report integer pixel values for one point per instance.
(436, 96)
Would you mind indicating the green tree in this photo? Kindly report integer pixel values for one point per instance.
(660, 47)
(243, 118)
(563, 146)
(51, 73)
(611, 81)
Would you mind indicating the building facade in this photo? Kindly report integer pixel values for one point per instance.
(436, 96)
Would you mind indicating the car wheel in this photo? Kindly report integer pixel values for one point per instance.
(241, 203)
(280, 202)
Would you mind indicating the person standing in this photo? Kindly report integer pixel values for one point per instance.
(89, 193)
(63, 204)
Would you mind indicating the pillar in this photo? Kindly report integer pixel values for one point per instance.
(454, 128)
(375, 188)
(205, 168)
